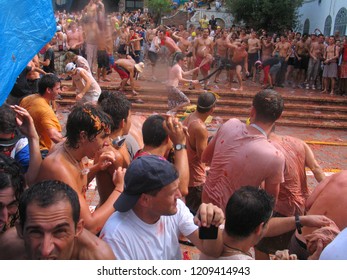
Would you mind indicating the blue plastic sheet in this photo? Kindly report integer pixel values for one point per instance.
(25, 27)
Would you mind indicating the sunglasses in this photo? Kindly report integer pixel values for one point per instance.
(118, 141)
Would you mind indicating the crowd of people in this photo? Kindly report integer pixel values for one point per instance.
(154, 188)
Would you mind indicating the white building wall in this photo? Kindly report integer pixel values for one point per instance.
(317, 13)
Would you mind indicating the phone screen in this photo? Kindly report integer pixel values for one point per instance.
(208, 232)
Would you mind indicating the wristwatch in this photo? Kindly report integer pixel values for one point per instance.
(179, 147)
(298, 224)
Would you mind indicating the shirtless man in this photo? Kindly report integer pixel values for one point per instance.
(283, 49)
(87, 132)
(267, 47)
(51, 228)
(102, 58)
(181, 30)
(328, 198)
(91, 10)
(123, 35)
(196, 144)
(151, 33)
(100, 14)
(316, 55)
(202, 55)
(221, 57)
(127, 70)
(239, 59)
(254, 46)
(90, 32)
(33, 76)
(176, 98)
(109, 43)
(331, 55)
(301, 61)
(74, 39)
(135, 46)
(182, 41)
(118, 108)
(172, 47)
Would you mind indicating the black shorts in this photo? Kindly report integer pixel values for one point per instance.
(153, 57)
(302, 63)
(136, 56)
(290, 61)
(103, 59)
(252, 58)
(122, 49)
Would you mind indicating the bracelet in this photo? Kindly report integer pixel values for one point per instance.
(118, 191)
(298, 224)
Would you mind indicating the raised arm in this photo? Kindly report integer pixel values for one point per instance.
(27, 128)
(176, 133)
(96, 220)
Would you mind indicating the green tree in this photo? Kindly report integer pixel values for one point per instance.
(272, 15)
(158, 8)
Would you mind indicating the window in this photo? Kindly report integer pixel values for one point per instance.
(327, 26)
(133, 4)
(306, 27)
(341, 21)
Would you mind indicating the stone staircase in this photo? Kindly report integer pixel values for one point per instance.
(223, 17)
(303, 108)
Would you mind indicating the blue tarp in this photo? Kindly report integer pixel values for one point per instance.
(25, 27)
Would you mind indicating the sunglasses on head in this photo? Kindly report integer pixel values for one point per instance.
(118, 141)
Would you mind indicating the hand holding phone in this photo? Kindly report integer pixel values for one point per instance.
(208, 232)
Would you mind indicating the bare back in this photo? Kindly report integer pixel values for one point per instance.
(175, 75)
(330, 198)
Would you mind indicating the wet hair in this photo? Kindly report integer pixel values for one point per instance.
(88, 118)
(206, 102)
(116, 105)
(180, 56)
(48, 193)
(153, 131)
(11, 175)
(47, 81)
(268, 105)
(8, 122)
(70, 55)
(246, 209)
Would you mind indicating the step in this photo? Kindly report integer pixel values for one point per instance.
(231, 102)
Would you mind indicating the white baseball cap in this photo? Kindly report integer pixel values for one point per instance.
(70, 67)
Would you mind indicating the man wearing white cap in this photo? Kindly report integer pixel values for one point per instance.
(127, 68)
(88, 90)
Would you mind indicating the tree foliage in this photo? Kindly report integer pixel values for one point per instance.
(158, 8)
(272, 15)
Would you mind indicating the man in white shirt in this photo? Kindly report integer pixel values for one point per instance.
(150, 216)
